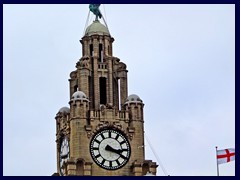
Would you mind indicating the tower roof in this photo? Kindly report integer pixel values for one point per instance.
(64, 110)
(79, 95)
(96, 28)
(133, 98)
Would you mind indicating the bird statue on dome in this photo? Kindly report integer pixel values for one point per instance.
(94, 8)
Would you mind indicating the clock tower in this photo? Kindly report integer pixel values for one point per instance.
(101, 132)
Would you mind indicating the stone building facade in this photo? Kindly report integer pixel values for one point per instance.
(101, 133)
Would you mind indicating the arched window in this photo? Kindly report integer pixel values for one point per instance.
(80, 168)
(103, 93)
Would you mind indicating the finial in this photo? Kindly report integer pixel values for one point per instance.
(94, 8)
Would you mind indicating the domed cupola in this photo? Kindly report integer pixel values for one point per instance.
(79, 95)
(64, 110)
(133, 98)
(96, 28)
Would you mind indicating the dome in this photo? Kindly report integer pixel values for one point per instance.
(96, 28)
(79, 95)
(133, 98)
(64, 110)
(149, 174)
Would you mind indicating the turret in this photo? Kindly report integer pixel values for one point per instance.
(62, 129)
(134, 105)
(62, 117)
(79, 105)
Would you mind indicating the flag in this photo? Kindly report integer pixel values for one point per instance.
(225, 155)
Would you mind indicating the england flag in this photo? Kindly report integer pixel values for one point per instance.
(225, 155)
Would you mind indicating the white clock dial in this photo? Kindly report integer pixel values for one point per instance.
(110, 149)
(64, 154)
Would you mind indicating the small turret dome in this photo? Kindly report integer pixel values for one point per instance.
(133, 98)
(96, 28)
(79, 95)
(64, 110)
(149, 174)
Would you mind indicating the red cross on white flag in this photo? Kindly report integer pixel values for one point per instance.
(225, 155)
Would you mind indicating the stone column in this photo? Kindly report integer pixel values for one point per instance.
(110, 82)
(123, 89)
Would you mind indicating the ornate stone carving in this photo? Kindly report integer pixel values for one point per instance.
(102, 109)
(118, 66)
(89, 134)
(84, 62)
(109, 106)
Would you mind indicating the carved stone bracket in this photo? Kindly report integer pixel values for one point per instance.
(88, 127)
(89, 134)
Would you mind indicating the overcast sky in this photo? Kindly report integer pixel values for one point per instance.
(181, 62)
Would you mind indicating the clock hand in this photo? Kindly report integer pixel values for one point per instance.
(63, 156)
(117, 151)
(109, 148)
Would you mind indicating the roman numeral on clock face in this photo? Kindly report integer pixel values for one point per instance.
(97, 141)
(118, 163)
(103, 161)
(97, 156)
(102, 136)
(122, 142)
(117, 136)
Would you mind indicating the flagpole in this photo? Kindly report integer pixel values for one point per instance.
(217, 162)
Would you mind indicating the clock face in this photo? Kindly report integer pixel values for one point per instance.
(64, 153)
(110, 149)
